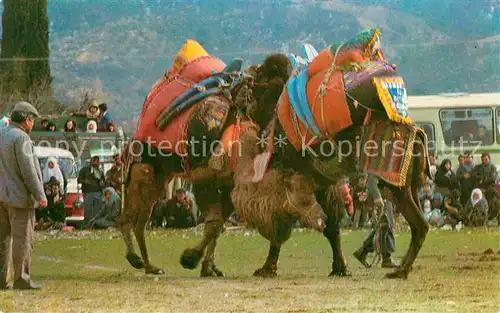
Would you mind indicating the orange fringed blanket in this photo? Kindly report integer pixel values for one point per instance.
(327, 102)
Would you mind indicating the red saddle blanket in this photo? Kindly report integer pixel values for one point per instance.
(163, 94)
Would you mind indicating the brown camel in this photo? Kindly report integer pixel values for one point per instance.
(327, 170)
(212, 178)
(273, 205)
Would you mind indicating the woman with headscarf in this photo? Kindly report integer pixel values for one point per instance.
(4, 122)
(476, 210)
(110, 210)
(52, 169)
(435, 216)
(445, 179)
(91, 127)
(93, 112)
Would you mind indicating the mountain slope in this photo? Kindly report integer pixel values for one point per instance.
(123, 47)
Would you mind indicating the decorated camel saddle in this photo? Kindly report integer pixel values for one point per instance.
(193, 97)
(322, 94)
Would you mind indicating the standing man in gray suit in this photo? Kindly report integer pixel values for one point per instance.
(21, 190)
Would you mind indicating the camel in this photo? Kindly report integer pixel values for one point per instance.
(148, 171)
(218, 190)
(369, 115)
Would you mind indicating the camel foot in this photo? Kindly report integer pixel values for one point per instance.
(208, 269)
(151, 269)
(265, 272)
(398, 273)
(340, 273)
(135, 260)
(190, 258)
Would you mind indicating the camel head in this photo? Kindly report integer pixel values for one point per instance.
(301, 201)
(268, 81)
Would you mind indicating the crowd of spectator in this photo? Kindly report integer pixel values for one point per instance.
(467, 195)
(98, 119)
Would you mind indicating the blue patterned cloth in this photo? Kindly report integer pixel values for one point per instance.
(298, 98)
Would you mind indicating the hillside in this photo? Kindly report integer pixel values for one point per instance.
(122, 47)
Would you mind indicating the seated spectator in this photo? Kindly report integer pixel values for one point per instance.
(475, 212)
(51, 127)
(110, 209)
(426, 198)
(52, 169)
(437, 201)
(70, 126)
(492, 196)
(434, 216)
(4, 122)
(485, 174)
(104, 117)
(111, 128)
(91, 127)
(452, 208)
(445, 179)
(159, 213)
(54, 213)
(178, 211)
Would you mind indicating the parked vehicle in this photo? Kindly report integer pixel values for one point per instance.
(456, 123)
(67, 164)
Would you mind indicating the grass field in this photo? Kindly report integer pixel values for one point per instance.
(86, 272)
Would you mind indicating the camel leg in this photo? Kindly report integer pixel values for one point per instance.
(282, 230)
(132, 257)
(270, 267)
(140, 196)
(218, 207)
(332, 233)
(419, 228)
(126, 223)
(139, 230)
(208, 268)
(214, 224)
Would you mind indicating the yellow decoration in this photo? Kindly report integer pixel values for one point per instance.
(392, 93)
(191, 50)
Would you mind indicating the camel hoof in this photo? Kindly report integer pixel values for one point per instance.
(399, 273)
(208, 269)
(265, 272)
(211, 272)
(190, 258)
(343, 273)
(135, 260)
(154, 270)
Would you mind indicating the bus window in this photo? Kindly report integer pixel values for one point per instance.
(468, 126)
(431, 137)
